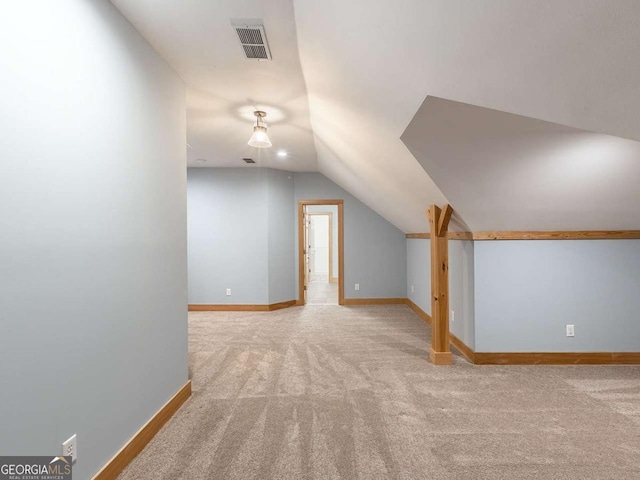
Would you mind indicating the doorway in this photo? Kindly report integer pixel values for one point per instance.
(320, 240)
(320, 252)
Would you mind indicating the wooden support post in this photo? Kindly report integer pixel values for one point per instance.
(440, 353)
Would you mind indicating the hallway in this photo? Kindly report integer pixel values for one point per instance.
(322, 292)
(330, 392)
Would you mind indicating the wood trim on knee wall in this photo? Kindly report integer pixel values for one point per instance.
(539, 235)
(534, 358)
(440, 353)
(462, 347)
(557, 358)
(134, 446)
(421, 313)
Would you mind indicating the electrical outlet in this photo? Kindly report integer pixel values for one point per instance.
(411, 288)
(453, 316)
(228, 292)
(357, 286)
(571, 331)
(70, 448)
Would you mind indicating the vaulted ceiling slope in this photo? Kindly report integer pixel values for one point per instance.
(224, 87)
(196, 37)
(369, 65)
(508, 172)
(347, 78)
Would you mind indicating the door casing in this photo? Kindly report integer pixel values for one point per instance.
(301, 247)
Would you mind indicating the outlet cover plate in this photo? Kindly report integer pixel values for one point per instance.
(70, 448)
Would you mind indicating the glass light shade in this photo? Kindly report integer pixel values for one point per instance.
(259, 139)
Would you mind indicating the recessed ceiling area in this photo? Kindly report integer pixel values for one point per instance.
(509, 172)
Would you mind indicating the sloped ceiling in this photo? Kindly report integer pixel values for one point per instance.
(368, 65)
(508, 172)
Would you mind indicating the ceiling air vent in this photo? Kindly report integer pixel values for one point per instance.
(248, 160)
(253, 41)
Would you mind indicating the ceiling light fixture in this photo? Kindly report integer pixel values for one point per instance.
(282, 153)
(259, 139)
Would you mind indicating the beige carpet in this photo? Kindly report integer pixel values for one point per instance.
(325, 392)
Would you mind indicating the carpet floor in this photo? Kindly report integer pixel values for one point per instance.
(327, 392)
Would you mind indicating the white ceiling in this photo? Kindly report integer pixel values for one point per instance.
(509, 172)
(366, 66)
(224, 88)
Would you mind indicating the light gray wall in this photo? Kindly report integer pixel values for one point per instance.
(334, 232)
(517, 296)
(243, 236)
(92, 231)
(419, 272)
(228, 235)
(462, 290)
(374, 249)
(461, 283)
(527, 291)
(281, 232)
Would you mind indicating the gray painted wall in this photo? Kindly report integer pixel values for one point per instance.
(93, 281)
(334, 232)
(281, 227)
(375, 250)
(228, 235)
(419, 272)
(462, 290)
(518, 296)
(527, 291)
(461, 283)
(243, 236)
(241, 224)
